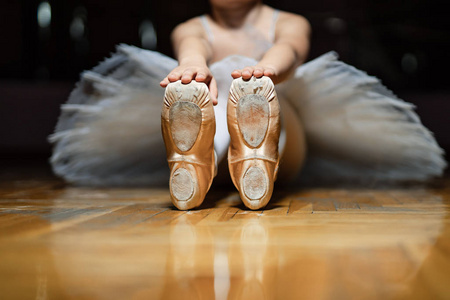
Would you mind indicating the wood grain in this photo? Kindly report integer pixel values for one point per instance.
(63, 242)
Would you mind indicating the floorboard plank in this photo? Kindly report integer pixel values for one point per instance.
(333, 243)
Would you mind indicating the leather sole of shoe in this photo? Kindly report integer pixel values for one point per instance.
(253, 118)
(185, 120)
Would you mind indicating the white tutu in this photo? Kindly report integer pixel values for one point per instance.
(356, 129)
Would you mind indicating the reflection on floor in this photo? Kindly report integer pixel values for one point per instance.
(60, 242)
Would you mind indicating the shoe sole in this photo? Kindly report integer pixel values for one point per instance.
(253, 117)
(252, 114)
(253, 120)
(185, 120)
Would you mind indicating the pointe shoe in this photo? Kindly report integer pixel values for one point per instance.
(253, 115)
(188, 126)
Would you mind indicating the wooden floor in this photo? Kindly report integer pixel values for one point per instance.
(62, 242)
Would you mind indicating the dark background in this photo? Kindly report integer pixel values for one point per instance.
(405, 43)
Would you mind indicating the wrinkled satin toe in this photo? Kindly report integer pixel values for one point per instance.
(188, 127)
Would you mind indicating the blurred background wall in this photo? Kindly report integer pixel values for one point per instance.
(46, 44)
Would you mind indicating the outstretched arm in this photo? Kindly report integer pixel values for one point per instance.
(288, 52)
(193, 52)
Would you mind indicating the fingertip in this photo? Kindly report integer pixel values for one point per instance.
(164, 82)
(246, 75)
(200, 77)
(258, 73)
(173, 77)
(213, 96)
(185, 80)
(269, 72)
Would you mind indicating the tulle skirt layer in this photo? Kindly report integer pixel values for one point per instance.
(356, 129)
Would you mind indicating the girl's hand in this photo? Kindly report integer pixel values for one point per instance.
(258, 71)
(188, 72)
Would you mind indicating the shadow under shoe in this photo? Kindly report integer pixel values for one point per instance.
(253, 115)
(188, 127)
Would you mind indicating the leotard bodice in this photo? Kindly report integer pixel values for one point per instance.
(250, 40)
